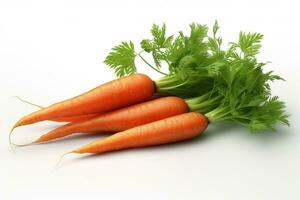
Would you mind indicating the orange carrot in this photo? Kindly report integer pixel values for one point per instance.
(81, 118)
(172, 129)
(109, 96)
(123, 119)
(76, 118)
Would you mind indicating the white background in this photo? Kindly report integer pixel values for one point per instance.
(51, 50)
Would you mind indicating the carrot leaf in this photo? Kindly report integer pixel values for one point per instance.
(157, 45)
(225, 84)
(121, 59)
(245, 90)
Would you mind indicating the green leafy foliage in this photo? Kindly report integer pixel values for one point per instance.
(188, 51)
(121, 59)
(249, 44)
(245, 89)
(225, 84)
(183, 54)
(193, 60)
(157, 44)
(267, 114)
(215, 42)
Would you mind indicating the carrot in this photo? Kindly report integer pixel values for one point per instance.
(76, 118)
(109, 96)
(135, 115)
(81, 118)
(172, 129)
(123, 119)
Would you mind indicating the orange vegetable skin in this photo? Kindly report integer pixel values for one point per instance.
(123, 119)
(81, 118)
(169, 130)
(109, 96)
(76, 118)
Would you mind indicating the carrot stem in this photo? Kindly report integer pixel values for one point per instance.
(145, 61)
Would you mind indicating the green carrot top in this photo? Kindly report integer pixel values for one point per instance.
(225, 84)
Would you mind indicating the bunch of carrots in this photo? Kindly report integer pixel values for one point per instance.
(204, 84)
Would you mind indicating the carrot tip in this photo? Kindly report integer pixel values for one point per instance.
(10, 133)
(28, 102)
(22, 145)
(61, 158)
(14, 144)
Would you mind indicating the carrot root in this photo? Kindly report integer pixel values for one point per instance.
(18, 145)
(122, 119)
(23, 145)
(61, 158)
(10, 134)
(28, 102)
(76, 118)
(169, 130)
(113, 95)
(14, 144)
